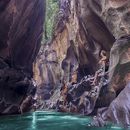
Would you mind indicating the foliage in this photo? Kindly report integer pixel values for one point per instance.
(51, 11)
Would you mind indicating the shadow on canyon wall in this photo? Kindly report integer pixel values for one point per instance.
(21, 27)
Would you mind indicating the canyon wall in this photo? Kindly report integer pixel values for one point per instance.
(21, 27)
(86, 64)
(78, 38)
(75, 46)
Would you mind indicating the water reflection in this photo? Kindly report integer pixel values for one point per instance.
(48, 121)
(34, 121)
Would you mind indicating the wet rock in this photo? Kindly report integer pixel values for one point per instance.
(119, 77)
(117, 112)
(119, 109)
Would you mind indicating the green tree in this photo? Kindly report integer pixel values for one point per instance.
(51, 11)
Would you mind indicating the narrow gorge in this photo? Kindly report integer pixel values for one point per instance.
(82, 69)
(85, 66)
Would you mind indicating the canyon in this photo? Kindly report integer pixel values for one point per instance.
(20, 37)
(82, 69)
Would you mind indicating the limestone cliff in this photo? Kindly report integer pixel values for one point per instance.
(21, 27)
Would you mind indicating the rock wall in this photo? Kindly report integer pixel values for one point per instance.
(21, 27)
(87, 60)
(75, 47)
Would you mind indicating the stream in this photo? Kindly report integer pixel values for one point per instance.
(44, 120)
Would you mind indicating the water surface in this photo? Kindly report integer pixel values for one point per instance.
(48, 121)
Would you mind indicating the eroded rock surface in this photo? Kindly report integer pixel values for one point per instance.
(21, 26)
(75, 47)
(89, 36)
(118, 112)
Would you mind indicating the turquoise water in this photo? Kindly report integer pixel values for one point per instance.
(48, 121)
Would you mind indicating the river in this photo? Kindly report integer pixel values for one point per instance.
(43, 120)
